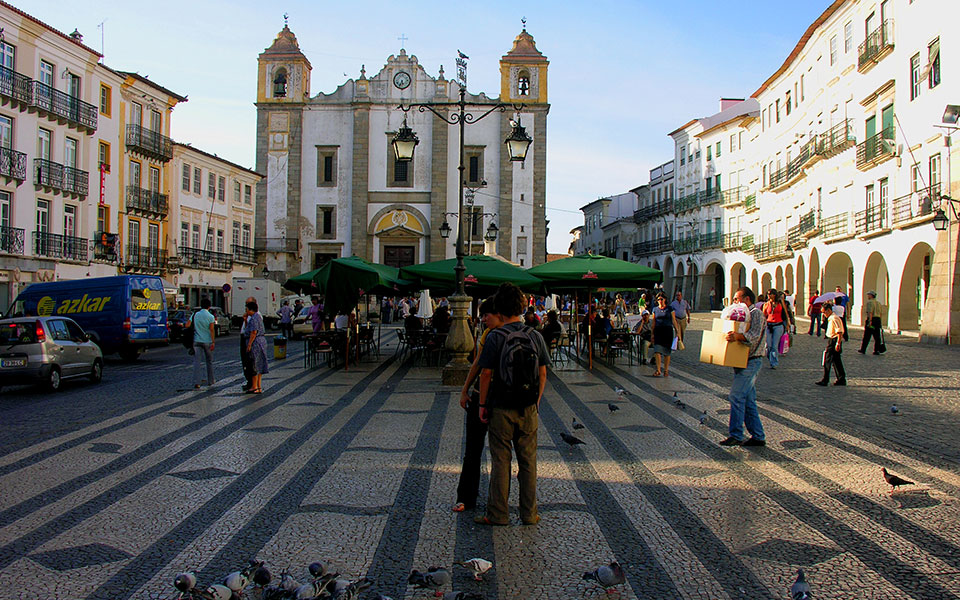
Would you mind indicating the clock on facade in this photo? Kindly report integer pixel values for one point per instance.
(401, 80)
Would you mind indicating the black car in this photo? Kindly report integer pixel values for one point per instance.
(177, 321)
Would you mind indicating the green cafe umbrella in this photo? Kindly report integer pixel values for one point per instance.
(590, 272)
(482, 276)
(342, 281)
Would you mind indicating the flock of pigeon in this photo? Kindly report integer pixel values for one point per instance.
(256, 581)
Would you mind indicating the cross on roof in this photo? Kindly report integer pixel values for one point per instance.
(403, 40)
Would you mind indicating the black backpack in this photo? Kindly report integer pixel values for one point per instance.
(519, 371)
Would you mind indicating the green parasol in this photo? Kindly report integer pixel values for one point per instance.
(342, 281)
(482, 276)
(590, 272)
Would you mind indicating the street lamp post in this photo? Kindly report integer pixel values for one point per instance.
(459, 340)
(941, 221)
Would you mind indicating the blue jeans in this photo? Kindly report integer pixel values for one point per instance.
(743, 401)
(773, 343)
(202, 356)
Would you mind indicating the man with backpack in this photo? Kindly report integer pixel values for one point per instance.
(513, 373)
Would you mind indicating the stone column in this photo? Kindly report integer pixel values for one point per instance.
(459, 342)
(937, 318)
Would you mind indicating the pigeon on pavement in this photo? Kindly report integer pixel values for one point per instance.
(613, 407)
(479, 566)
(571, 440)
(893, 480)
(894, 410)
(344, 589)
(577, 424)
(800, 590)
(185, 582)
(607, 575)
(703, 418)
(317, 569)
(435, 578)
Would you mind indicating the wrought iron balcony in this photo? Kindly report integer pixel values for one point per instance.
(64, 107)
(653, 210)
(144, 259)
(747, 243)
(195, 258)
(795, 237)
(750, 203)
(147, 203)
(11, 240)
(65, 247)
(835, 226)
(13, 164)
(685, 245)
(15, 87)
(876, 149)
(711, 196)
(656, 246)
(837, 139)
(915, 204)
(105, 247)
(60, 178)
(244, 254)
(714, 239)
(149, 143)
(771, 249)
(878, 44)
(808, 223)
(732, 241)
(733, 196)
(290, 245)
(871, 220)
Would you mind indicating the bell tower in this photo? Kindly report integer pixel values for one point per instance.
(523, 72)
(283, 89)
(284, 72)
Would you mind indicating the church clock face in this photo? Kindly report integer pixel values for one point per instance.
(401, 80)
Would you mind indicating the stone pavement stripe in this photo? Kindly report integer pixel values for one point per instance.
(13, 550)
(247, 542)
(902, 468)
(473, 541)
(51, 495)
(628, 546)
(722, 564)
(901, 574)
(343, 509)
(874, 511)
(393, 559)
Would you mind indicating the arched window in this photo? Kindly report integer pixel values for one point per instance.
(280, 84)
(523, 83)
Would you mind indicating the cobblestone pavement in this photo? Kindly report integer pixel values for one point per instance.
(360, 468)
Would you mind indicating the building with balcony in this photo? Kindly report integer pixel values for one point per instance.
(620, 231)
(212, 208)
(838, 172)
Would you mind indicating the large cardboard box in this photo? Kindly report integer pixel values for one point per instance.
(716, 350)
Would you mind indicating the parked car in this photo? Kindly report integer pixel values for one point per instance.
(221, 325)
(124, 314)
(302, 324)
(46, 350)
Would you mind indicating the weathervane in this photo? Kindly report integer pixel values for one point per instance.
(524, 22)
(462, 68)
(286, 18)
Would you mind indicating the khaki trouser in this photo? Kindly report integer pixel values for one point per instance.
(682, 327)
(519, 428)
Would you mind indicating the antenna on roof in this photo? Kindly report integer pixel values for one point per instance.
(101, 28)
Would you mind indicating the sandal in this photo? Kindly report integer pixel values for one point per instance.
(257, 391)
(666, 373)
(459, 507)
(485, 520)
(657, 373)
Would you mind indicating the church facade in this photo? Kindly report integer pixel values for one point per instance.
(333, 187)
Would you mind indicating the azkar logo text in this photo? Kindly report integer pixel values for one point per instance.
(145, 303)
(48, 306)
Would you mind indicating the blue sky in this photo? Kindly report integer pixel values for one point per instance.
(622, 74)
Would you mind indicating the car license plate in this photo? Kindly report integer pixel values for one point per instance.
(139, 329)
(13, 362)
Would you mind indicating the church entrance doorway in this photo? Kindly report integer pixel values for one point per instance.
(398, 256)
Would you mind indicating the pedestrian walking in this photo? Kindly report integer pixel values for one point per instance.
(871, 327)
(681, 310)
(476, 430)
(316, 315)
(620, 312)
(713, 299)
(815, 314)
(256, 347)
(203, 343)
(777, 315)
(244, 354)
(286, 319)
(743, 392)
(513, 373)
(840, 308)
(832, 354)
(665, 326)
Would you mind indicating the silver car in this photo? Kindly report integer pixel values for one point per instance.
(221, 323)
(46, 350)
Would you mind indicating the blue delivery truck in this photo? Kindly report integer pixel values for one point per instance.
(125, 314)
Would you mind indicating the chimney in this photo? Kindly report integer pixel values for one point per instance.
(76, 36)
(726, 103)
